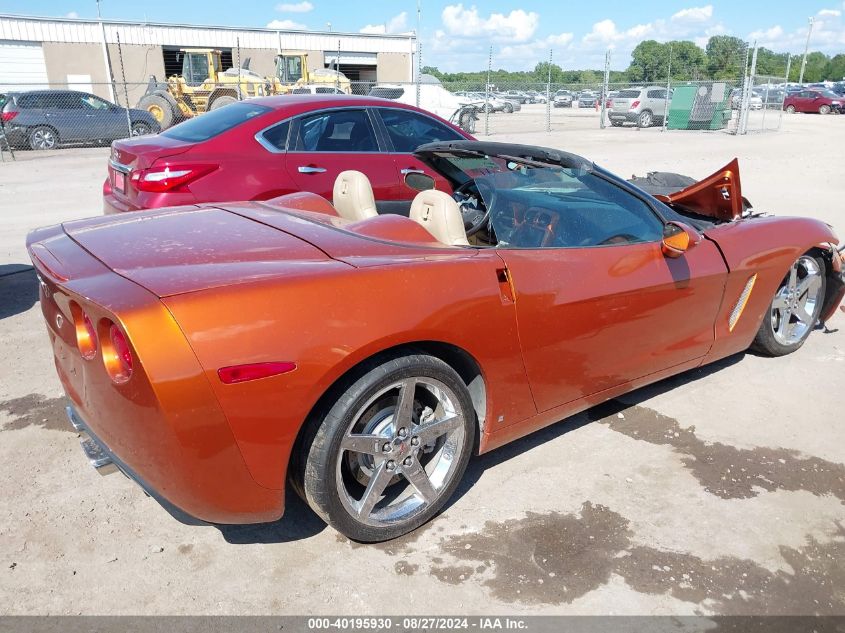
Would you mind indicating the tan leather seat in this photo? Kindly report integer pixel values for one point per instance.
(353, 196)
(440, 215)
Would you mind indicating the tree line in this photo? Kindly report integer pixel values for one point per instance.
(723, 57)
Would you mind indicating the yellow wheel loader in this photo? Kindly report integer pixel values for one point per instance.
(292, 72)
(202, 86)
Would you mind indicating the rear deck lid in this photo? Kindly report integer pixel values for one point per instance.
(173, 251)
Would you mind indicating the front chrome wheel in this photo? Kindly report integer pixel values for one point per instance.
(400, 451)
(798, 301)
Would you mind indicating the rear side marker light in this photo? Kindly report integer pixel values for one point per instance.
(8, 116)
(253, 371)
(635, 105)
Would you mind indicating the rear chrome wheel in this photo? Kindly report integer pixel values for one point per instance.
(794, 310)
(790, 109)
(645, 119)
(43, 137)
(391, 450)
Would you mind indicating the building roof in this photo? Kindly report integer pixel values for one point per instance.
(78, 30)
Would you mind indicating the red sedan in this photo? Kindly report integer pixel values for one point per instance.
(263, 148)
(821, 101)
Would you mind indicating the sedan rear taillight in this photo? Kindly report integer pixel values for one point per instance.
(169, 177)
(8, 116)
(635, 104)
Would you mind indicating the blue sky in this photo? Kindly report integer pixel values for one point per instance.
(457, 36)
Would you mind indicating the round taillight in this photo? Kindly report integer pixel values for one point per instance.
(86, 333)
(117, 355)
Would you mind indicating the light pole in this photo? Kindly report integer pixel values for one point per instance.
(806, 48)
(106, 58)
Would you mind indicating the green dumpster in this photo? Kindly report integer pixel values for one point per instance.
(702, 106)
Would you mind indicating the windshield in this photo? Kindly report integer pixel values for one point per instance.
(542, 205)
(829, 94)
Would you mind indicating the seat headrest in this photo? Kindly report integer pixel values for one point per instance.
(439, 214)
(353, 196)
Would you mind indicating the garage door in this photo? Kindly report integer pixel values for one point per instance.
(22, 66)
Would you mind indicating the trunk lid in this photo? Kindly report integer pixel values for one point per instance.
(186, 249)
(622, 102)
(134, 154)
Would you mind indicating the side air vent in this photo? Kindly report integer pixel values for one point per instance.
(740, 304)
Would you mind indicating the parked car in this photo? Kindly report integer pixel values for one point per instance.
(536, 97)
(211, 352)
(642, 106)
(755, 101)
(511, 105)
(483, 101)
(770, 97)
(562, 99)
(434, 98)
(47, 119)
(262, 148)
(517, 95)
(587, 99)
(820, 101)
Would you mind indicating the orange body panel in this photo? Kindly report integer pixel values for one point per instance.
(552, 331)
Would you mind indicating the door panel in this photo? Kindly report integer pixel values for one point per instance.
(595, 318)
(323, 144)
(405, 130)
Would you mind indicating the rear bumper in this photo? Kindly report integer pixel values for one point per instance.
(105, 462)
(630, 116)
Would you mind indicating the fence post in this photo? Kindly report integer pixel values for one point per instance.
(668, 88)
(337, 70)
(238, 48)
(487, 93)
(746, 100)
(605, 90)
(785, 85)
(419, 70)
(548, 96)
(123, 76)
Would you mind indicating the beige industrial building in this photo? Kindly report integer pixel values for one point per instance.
(38, 52)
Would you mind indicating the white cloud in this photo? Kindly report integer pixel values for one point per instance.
(828, 36)
(396, 24)
(286, 25)
(834, 13)
(516, 26)
(528, 54)
(72, 15)
(295, 7)
(694, 14)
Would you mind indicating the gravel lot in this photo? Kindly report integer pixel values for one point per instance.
(718, 491)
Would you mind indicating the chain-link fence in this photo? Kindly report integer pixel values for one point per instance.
(675, 87)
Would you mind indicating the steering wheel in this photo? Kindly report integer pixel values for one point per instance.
(475, 218)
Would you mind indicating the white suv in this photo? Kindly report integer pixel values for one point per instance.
(643, 106)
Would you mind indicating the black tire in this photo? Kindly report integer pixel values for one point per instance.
(42, 137)
(790, 109)
(466, 121)
(508, 107)
(160, 108)
(321, 455)
(222, 101)
(141, 128)
(765, 342)
(824, 109)
(645, 119)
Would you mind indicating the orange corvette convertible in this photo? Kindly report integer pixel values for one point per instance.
(212, 352)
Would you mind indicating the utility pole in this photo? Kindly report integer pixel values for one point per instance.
(605, 90)
(109, 74)
(806, 49)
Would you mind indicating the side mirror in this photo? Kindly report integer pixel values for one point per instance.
(678, 238)
(419, 181)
